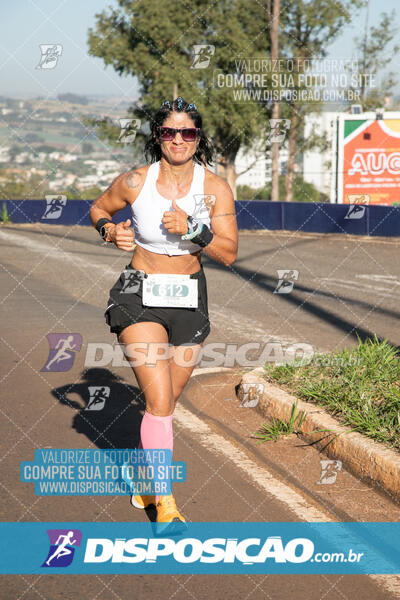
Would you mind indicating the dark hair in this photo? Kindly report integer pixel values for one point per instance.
(152, 149)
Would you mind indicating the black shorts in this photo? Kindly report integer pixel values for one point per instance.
(185, 326)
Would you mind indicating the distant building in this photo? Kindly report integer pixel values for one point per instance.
(109, 177)
(107, 164)
(24, 157)
(36, 171)
(62, 181)
(4, 154)
(256, 167)
(68, 157)
(316, 167)
(253, 167)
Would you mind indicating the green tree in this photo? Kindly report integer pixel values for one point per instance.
(91, 193)
(13, 151)
(154, 42)
(377, 51)
(245, 192)
(47, 148)
(302, 191)
(73, 98)
(310, 27)
(87, 147)
(20, 186)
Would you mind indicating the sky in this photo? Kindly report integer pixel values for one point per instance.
(24, 24)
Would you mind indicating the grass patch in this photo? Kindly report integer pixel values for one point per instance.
(279, 427)
(361, 387)
(4, 214)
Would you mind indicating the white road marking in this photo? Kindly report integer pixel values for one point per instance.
(389, 291)
(232, 322)
(53, 252)
(208, 370)
(385, 278)
(240, 323)
(263, 478)
(202, 432)
(205, 436)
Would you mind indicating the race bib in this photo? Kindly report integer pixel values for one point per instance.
(170, 290)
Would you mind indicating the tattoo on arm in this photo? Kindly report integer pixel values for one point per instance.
(133, 180)
(224, 215)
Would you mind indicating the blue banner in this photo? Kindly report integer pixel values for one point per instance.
(207, 548)
(94, 472)
(317, 217)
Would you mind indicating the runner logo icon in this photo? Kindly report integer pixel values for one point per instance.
(329, 471)
(98, 397)
(278, 131)
(62, 351)
(250, 394)
(287, 278)
(129, 129)
(54, 206)
(357, 206)
(131, 281)
(62, 547)
(356, 211)
(202, 55)
(50, 53)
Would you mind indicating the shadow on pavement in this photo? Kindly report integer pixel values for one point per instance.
(289, 245)
(116, 424)
(303, 303)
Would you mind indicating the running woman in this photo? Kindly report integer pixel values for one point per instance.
(180, 209)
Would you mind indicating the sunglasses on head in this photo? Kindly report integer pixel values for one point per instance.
(189, 134)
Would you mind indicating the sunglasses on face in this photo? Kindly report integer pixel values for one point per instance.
(189, 134)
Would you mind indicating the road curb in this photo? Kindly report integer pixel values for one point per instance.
(364, 457)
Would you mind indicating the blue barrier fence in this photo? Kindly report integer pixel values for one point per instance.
(313, 217)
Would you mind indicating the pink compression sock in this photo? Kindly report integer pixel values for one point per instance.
(156, 432)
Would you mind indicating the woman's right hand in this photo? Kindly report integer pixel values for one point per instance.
(122, 236)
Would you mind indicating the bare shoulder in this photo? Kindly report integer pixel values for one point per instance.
(132, 182)
(221, 203)
(214, 184)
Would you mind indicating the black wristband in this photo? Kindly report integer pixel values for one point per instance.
(100, 224)
(204, 237)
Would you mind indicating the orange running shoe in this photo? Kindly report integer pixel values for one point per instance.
(142, 501)
(168, 517)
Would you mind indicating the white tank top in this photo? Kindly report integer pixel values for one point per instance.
(149, 207)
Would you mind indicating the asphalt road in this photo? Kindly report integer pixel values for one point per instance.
(56, 280)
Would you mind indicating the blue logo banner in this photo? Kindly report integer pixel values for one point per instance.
(223, 548)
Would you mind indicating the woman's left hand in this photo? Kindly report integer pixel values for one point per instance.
(175, 221)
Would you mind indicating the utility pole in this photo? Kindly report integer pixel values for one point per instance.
(273, 18)
(365, 46)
